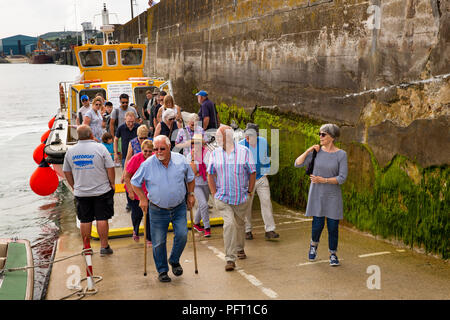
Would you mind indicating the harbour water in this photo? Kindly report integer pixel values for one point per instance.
(28, 99)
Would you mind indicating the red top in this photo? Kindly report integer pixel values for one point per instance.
(132, 167)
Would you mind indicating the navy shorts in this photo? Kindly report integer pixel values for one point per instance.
(95, 208)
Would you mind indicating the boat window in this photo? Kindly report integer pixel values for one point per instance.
(91, 58)
(91, 93)
(74, 106)
(112, 60)
(140, 97)
(131, 57)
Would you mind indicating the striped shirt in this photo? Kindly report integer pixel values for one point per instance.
(233, 171)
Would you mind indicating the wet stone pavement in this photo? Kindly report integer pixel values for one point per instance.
(275, 269)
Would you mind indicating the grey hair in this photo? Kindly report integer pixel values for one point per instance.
(167, 114)
(163, 138)
(332, 129)
(130, 114)
(194, 118)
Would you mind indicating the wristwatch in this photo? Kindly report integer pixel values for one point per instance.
(248, 191)
(191, 193)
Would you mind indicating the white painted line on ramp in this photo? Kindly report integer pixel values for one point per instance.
(217, 252)
(373, 254)
(250, 278)
(315, 262)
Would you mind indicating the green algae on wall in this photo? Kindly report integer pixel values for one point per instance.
(401, 206)
(401, 201)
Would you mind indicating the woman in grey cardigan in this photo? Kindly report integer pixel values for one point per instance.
(325, 197)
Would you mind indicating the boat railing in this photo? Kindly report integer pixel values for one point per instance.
(63, 94)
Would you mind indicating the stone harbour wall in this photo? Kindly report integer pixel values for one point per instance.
(380, 69)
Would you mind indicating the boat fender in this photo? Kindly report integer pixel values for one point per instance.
(45, 136)
(39, 154)
(54, 160)
(44, 180)
(51, 122)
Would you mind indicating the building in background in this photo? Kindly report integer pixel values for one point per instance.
(15, 45)
(29, 48)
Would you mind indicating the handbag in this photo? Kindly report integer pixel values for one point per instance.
(310, 169)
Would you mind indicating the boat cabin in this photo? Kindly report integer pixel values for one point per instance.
(110, 70)
(111, 62)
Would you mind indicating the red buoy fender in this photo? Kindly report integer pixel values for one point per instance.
(39, 154)
(45, 135)
(51, 122)
(44, 180)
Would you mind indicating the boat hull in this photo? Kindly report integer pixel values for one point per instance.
(41, 59)
(16, 285)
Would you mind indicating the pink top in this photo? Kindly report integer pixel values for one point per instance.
(132, 166)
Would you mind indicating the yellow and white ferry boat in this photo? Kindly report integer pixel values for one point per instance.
(110, 69)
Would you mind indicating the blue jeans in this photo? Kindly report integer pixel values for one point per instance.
(136, 218)
(318, 224)
(159, 220)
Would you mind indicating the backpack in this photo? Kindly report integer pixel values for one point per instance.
(116, 120)
(215, 118)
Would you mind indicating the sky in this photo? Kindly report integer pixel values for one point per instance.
(36, 17)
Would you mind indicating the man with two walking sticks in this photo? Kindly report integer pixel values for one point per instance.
(166, 175)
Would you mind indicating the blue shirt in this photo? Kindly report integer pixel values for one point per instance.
(233, 172)
(166, 186)
(260, 155)
(110, 147)
(127, 135)
(208, 109)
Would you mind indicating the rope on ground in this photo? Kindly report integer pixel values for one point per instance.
(80, 292)
(2, 271)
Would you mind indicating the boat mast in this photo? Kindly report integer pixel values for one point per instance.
(107, 29)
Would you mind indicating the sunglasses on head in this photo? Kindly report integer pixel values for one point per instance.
(159, 149)
(322, 134)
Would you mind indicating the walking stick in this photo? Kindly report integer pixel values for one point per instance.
(193, 241)
(145, 243)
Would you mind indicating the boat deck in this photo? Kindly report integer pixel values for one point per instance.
(16, 285)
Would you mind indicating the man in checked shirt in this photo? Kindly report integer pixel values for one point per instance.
(231, 180)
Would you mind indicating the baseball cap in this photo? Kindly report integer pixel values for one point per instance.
(202, 93)
(84, 97)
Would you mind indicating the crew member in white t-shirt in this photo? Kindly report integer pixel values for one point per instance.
(89, 170)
